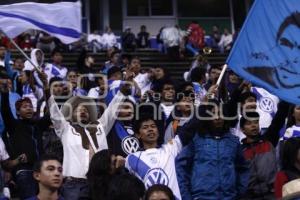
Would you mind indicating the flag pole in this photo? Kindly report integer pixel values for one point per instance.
(24, 54)
(222, 74)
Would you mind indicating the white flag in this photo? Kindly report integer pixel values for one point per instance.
(62, 20)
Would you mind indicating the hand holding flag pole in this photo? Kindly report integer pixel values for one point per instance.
(222, 74)
(214, 88)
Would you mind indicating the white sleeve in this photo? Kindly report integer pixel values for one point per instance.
(37, 79)
(114, 40)
(3, 153)
(59, 122)
(221, 41)
(38, 93)
(174, 146)
(47, 71)
(93, 93)
(169, 133)
(64, 73)
(130, 169)
(109, 116)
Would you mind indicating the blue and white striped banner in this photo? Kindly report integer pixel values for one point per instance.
(62, 20)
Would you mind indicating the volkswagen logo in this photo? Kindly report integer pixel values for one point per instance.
(130, 145)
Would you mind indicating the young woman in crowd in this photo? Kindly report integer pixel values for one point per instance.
(293, 125)
(290, 165)
(103, 167)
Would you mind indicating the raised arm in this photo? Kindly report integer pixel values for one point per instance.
(80, 62)
(272, 133)
(109, 116)
(7, 64)
(58, 120)
(184, 135)
(7, 115)
(232, 105)
(188, 130)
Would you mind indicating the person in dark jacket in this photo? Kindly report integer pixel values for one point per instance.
(260, 151)
(128, 40)
(212, 166)
(143, 38)
(25, 138)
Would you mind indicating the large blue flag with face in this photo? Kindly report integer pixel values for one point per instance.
(267, 51)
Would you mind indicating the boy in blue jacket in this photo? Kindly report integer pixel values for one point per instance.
(212, 166)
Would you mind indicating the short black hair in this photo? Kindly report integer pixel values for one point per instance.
(73, 70)
(198, 74)
(126, 187)
(54, 79)
(248, 116)
(38, 164)
(219, 67)
(112, 71)
(182, 86)
(291, 118)
(3, 73)
(166, 71)
(134, 58)
(114, 53)
(159, 188)
(205, 112)
(56, 50)
(293, 19)
(138, 123)
(184, 93)
(159, 87)
(246, 95)
(126, 56)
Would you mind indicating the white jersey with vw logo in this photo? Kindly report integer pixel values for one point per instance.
(266, 106)
(157, 165)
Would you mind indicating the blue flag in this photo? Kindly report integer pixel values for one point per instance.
(267, 51)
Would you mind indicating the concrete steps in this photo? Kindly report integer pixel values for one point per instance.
(149, 58)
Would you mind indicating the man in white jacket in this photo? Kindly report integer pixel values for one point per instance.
(82, 134)
(109, 39)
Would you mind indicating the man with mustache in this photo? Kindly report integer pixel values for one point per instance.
(82, 134)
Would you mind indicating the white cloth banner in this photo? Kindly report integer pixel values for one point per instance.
(62, 20)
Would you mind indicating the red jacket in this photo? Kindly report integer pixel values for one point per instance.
(196, 35)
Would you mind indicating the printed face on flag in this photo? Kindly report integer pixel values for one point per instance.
(267, 52)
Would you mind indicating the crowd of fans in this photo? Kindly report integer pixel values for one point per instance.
(170, 39)
(125, 132)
